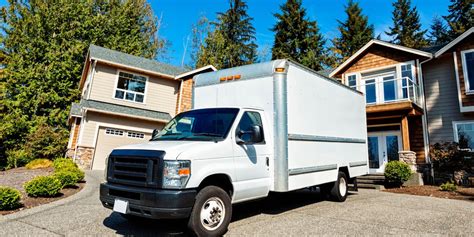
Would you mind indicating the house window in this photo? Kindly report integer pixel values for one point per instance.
(114, 132)
(468, 68)
(407, 80)
(464, 134)
(370, 91)
(136, 135)
(130, 87)
(352, 81)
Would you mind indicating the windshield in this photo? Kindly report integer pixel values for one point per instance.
(202, 124)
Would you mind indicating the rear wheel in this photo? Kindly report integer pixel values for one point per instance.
(211, 213)
(339, 189)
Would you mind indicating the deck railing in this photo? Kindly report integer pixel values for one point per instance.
(390, 90)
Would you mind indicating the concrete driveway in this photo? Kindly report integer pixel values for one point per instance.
(299, 213)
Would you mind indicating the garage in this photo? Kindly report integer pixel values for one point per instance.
(109, 138)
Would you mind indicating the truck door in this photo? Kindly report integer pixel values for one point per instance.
(251, 157)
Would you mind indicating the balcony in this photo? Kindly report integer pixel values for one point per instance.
(386, 94)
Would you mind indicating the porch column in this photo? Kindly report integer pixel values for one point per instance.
(405, 134)
(406, 155)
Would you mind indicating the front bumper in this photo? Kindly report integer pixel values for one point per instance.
(149, 202)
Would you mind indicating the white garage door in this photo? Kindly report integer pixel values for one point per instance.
(110, 138)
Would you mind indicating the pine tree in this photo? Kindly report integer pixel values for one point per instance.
(43, 49)
(199, 32)
(297, 37)
(406, 30)
(232, 42)
(355, 32)
(439, 33)
(460, 17)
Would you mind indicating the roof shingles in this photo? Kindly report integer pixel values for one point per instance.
(105, 54)
(119, 109)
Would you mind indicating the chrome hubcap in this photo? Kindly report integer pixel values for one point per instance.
(212, 213)
(342, 186)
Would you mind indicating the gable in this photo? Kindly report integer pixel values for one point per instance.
(376, 56)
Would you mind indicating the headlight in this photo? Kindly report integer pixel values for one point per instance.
(176, 173)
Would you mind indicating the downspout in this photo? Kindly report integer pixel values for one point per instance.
(280, 125)
(424, 117)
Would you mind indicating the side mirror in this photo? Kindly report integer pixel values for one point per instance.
(255, 134)
(155, 132)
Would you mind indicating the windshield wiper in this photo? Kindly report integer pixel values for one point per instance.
(207, 134)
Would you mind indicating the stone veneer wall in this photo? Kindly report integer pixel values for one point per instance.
(84, 157)
(409, 157)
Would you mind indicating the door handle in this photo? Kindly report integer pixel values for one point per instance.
(268, 161)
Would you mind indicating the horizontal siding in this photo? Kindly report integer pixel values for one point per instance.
(161, 94)
(441, 96)
(93, 119)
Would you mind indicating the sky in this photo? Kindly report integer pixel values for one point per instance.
(178, 16)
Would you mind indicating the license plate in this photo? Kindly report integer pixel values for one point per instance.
(121, 206)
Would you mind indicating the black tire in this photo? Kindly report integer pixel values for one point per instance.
(211, 196)
(339, 189)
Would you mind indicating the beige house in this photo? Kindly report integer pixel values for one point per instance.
(123, 98)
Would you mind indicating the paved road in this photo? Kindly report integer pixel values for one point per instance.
(298, 213)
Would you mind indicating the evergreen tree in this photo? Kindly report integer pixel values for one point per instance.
(355, 32)
(460, 17)
(406, 30)
(43, 49)
(297, 37)
(199, 32)
(439, 33)
(232, 42)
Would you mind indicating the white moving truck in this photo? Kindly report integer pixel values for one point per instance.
(268, 127)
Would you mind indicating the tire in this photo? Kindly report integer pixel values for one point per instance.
(211, 213)
(339, 189)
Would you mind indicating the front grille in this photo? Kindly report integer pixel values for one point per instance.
(142, 168)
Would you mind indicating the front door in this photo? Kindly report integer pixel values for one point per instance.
(251, 158)
(383, 147)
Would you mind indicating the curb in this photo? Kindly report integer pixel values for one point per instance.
(92, 183)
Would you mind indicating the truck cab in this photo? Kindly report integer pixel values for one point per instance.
(221, 147)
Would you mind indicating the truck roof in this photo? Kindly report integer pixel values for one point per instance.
(257, 70)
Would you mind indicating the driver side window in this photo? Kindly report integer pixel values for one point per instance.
(250, 119)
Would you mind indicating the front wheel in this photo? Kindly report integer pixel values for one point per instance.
(211, 213)
(339, 189)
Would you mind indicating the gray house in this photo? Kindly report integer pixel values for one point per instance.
(449, 92)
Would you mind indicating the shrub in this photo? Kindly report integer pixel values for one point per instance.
(397, 172)
(39, 163)
(67, 178)
(17, 158)
(78, 172)
(9, 198)
(46, 141)
(43, 186)
(448, 186)
(63, 163)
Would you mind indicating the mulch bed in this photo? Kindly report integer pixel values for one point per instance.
(461, 193)
(15, 178)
